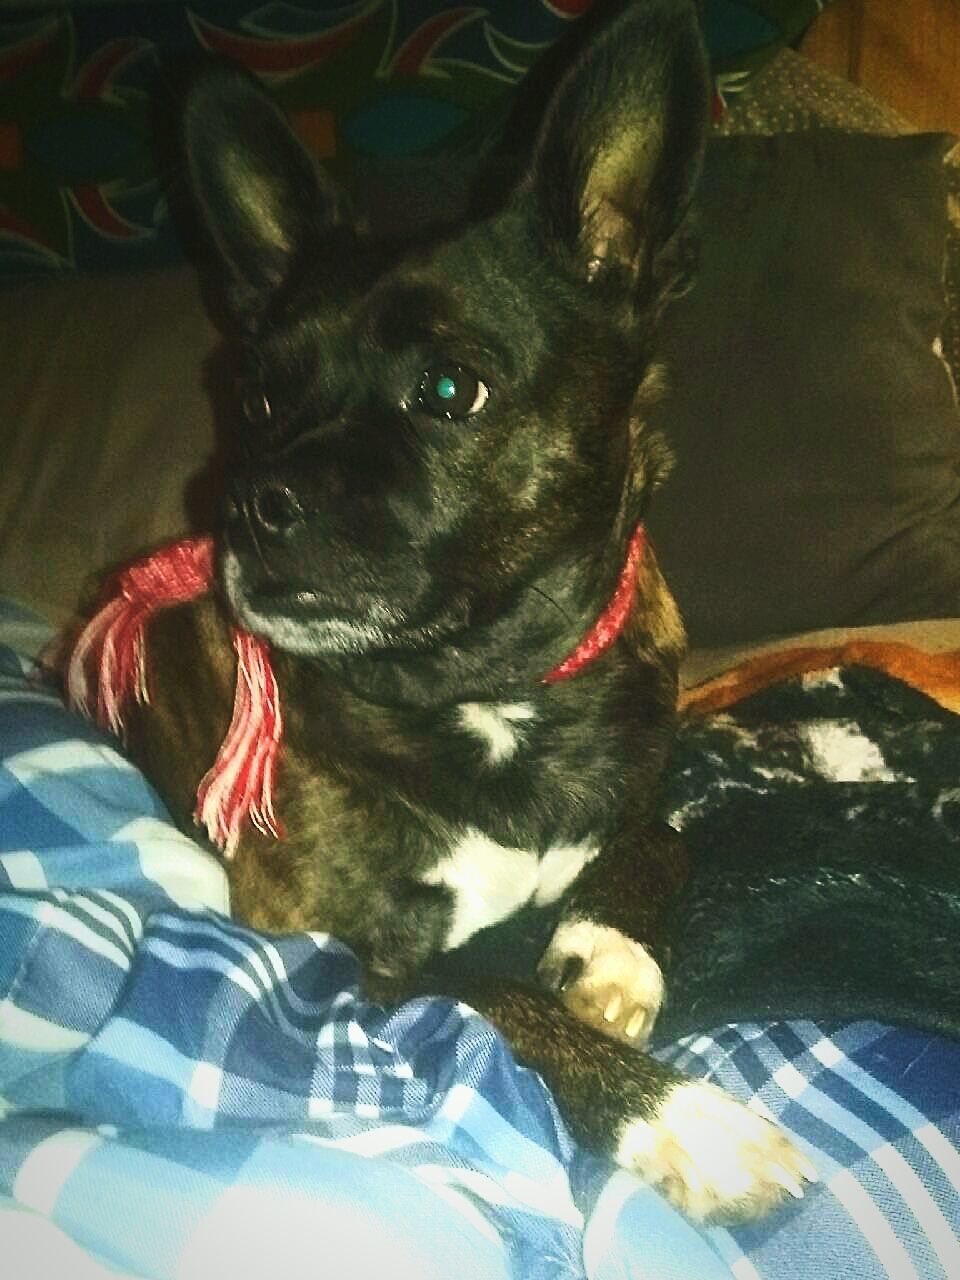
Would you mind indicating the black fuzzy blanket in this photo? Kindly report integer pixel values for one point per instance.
(822, 816)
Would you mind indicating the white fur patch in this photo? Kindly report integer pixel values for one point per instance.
(829, 678)
(382, 626)
(495, 725)
(620, 987)
(711, 1154)
(490, 881)
(558, 869)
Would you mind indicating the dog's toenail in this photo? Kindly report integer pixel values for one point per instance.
(612, 1011)
(635, 1025)
(789, 1183)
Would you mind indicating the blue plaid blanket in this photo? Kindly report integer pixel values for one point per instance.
(181, 1096)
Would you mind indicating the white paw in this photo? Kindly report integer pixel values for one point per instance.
(712, 1156)
(616, 985)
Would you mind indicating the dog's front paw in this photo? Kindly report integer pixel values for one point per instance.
(712, 1156)
(605, 979)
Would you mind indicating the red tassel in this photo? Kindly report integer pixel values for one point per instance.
(240, 782)
(113, 638)
(108, 667)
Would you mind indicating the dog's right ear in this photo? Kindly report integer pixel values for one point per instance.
(620, 150)
(260, 195)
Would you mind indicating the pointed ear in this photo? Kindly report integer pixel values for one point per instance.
(620, 150)
(260, 195)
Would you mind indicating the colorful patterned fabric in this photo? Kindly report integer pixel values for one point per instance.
(742, 35)
(85, 92)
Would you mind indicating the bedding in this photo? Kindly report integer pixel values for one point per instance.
(825, 846)
(178, 1092)
(196, 1090)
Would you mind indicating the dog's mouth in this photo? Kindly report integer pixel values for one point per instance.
(311, 622)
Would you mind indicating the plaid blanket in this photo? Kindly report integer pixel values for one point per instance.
(182, 1096)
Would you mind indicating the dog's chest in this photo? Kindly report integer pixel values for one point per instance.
(490, 880)
(497, 727)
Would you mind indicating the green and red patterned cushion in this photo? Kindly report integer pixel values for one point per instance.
(84, 92)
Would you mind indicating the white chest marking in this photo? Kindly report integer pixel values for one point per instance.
(558, 869)
(495, 724)
(490, 881)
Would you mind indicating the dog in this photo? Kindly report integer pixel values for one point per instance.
(436, 523)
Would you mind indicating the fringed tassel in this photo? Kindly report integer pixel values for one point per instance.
(113, 638)
(107, 669)
(110, 688)
(240, 783)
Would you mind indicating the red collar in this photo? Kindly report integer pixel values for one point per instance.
(612, 621)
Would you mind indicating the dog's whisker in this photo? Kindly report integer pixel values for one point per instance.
(556, 604)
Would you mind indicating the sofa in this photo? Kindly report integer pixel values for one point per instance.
(180, 1095)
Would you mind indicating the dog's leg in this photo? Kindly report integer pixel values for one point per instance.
(605, 957)
(710, 1155)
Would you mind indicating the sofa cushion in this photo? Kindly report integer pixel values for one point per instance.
(814, 422)
(104, 420)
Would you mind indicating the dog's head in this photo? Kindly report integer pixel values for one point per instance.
(446, 452)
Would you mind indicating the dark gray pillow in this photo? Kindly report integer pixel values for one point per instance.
(815, 427)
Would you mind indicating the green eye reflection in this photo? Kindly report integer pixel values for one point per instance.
(451, 391)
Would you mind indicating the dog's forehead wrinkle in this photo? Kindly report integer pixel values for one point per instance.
(412, 316)
(404, 311)
(495, 290)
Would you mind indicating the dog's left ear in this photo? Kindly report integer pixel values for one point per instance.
(621, 147)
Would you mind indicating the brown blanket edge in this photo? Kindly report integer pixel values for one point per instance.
(923, 654)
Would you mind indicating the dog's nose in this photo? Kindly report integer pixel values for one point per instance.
(275, 508)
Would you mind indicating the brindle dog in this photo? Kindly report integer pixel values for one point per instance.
(446, 465)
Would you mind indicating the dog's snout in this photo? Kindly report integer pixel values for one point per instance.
(275, 508)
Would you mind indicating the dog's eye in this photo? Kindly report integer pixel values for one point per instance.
(452, 391)
(256, 408)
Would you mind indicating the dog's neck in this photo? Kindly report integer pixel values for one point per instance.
(107, 668)
(612, 620)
